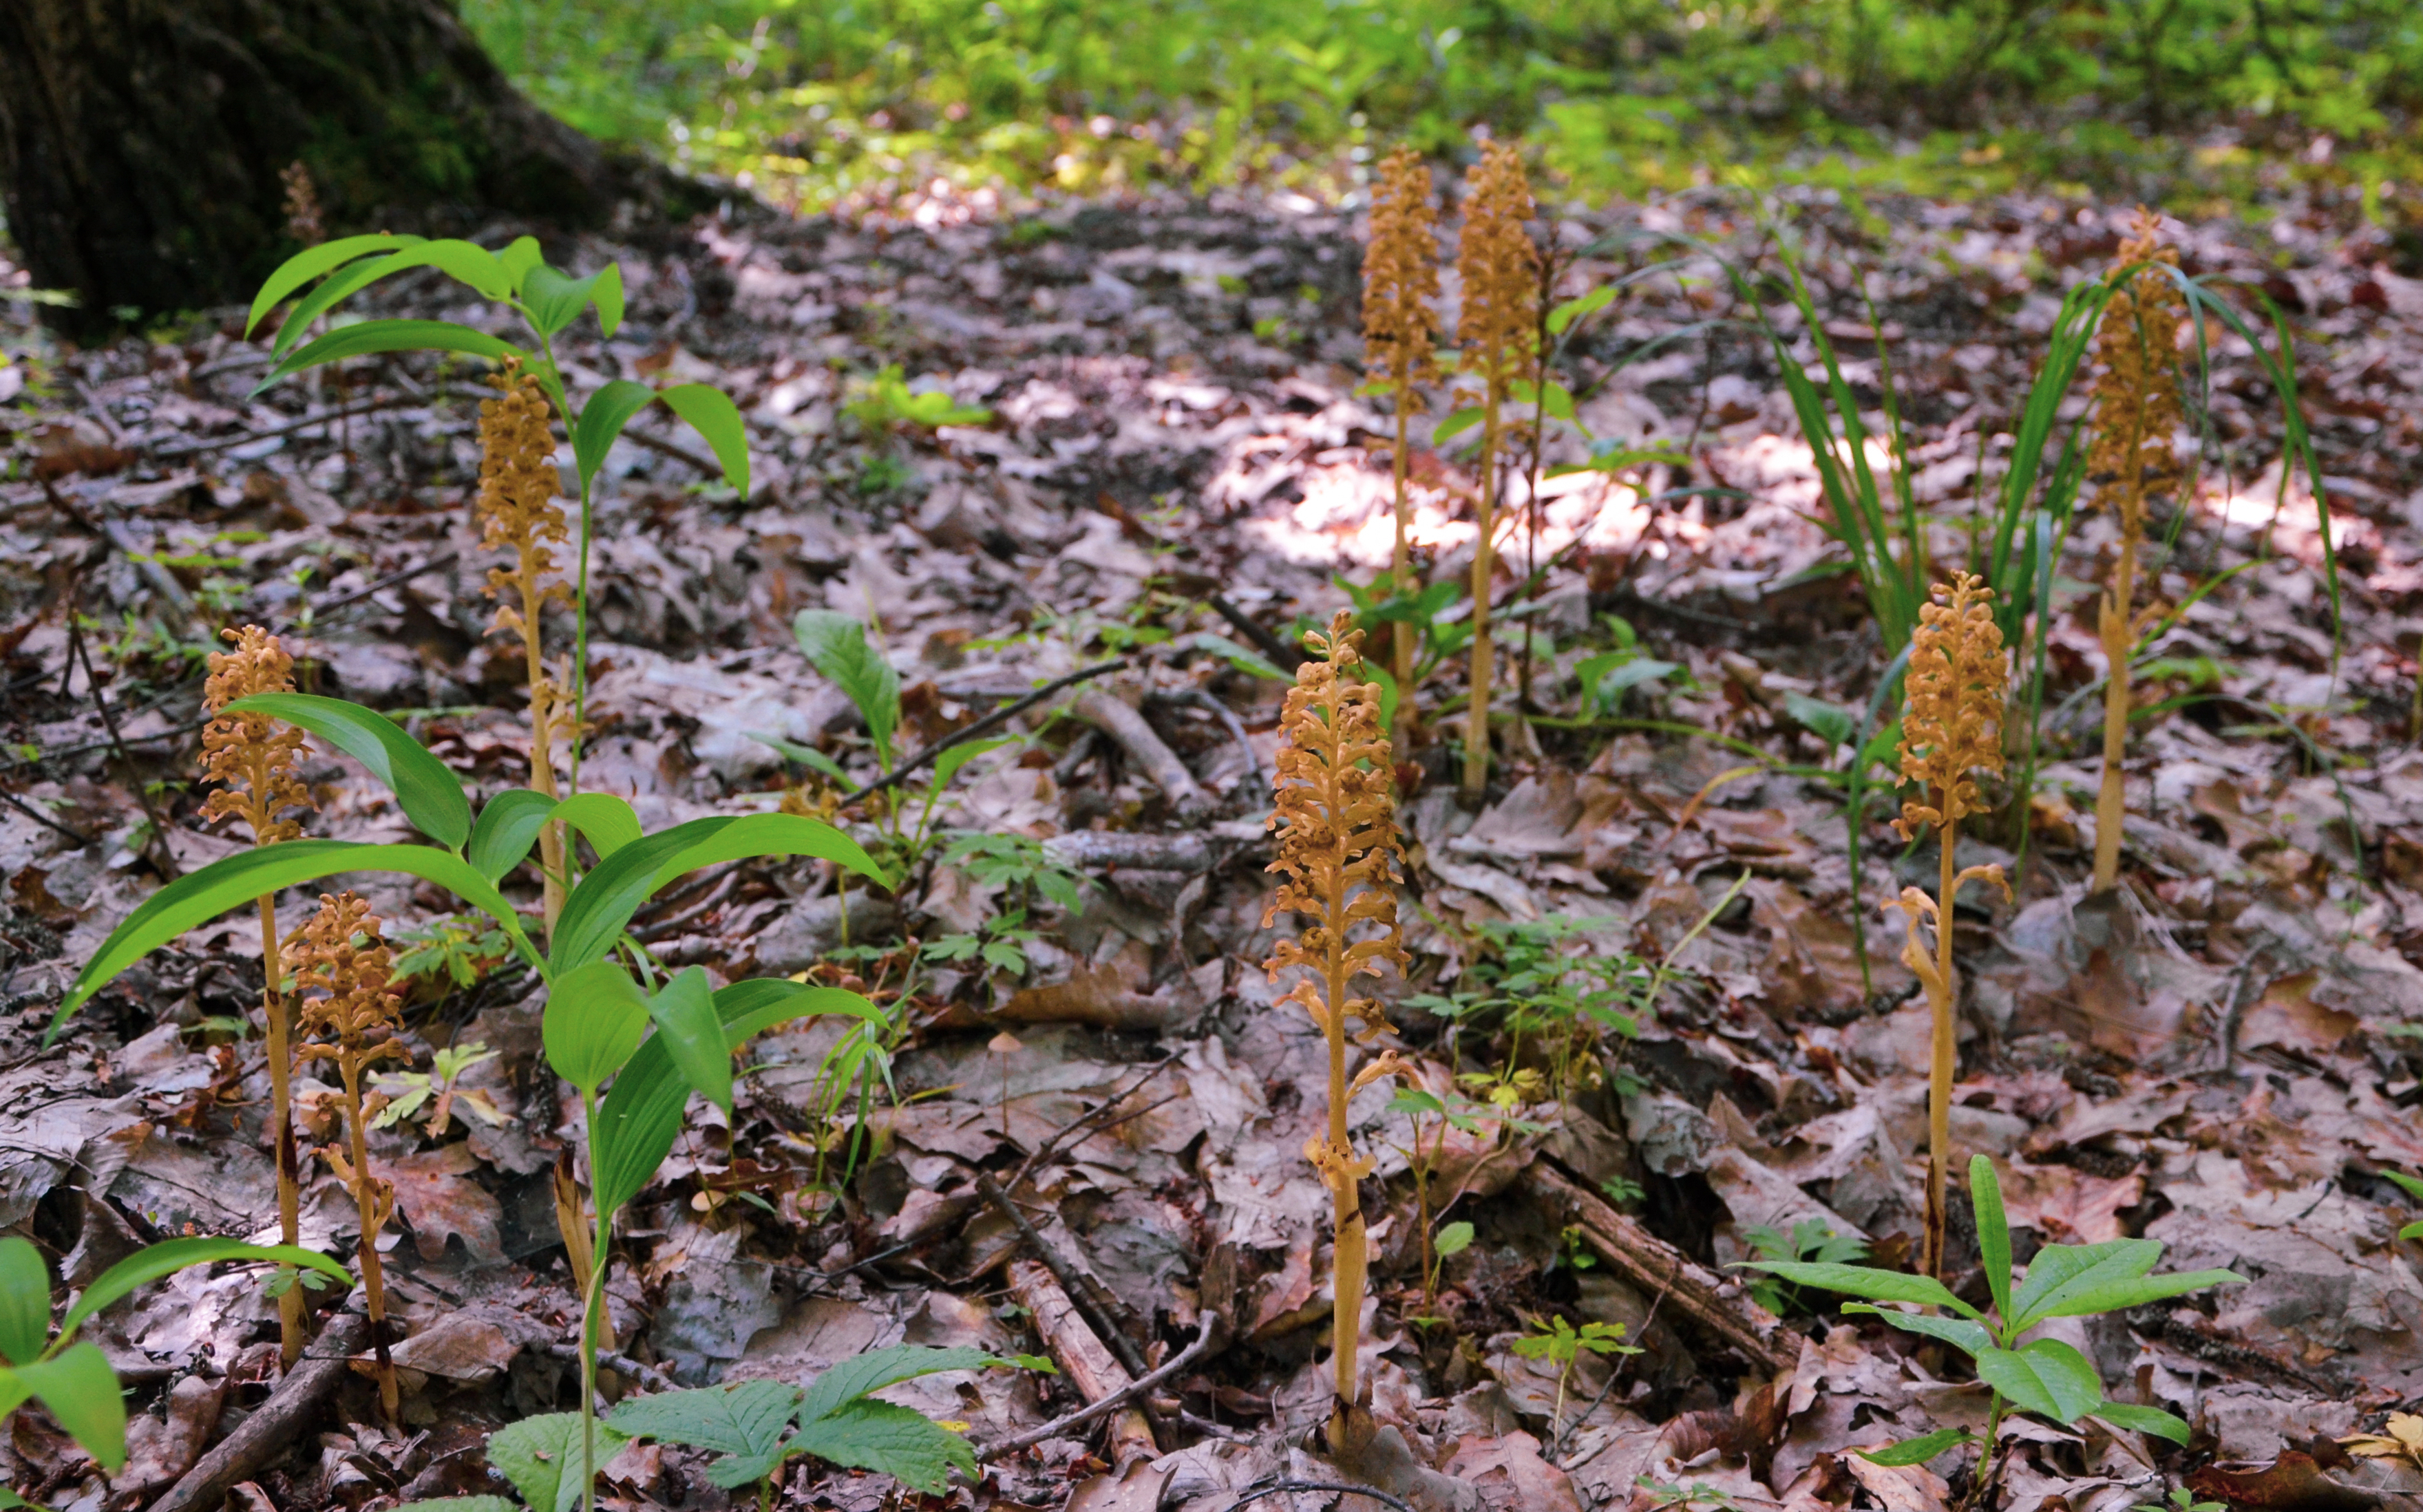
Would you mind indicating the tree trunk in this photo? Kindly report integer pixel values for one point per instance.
(141, 141)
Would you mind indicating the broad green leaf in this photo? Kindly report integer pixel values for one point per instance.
(2046, 1376)
(693, 1035)
(81, 1393)
(1993, 1233)
(462, 261)
(602, 419)
(643, 1113)
(1916, 1451)
(508, 827)
(429, 793)
(2151, 1420)
(2060, 1266)
(596, 913)
(861, 1374)
(520, 258)
(391, 335)
(1453, 1239)
(25, 1302)
(730, 1420)
(553, 300)
(948, 764)
(609, 822)
(836, 645)
(234, 881)
(609, 298)
(541, 1456)
(2079, 1299)
(1970, 1338)
(169, 1256)
(1867, 1283)
(711, 413)
(311, 262)
(890, 1440)
(595, 1016)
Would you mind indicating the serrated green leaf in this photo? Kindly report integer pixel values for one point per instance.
(1866, 1281)
(2151, 1420)
(1960, 1332)
(81, 1393)
(1916, 1451)
(685, 1020)
(234, 881)
(889, 1440)
(746, 1419)
(836, 645)
(711, 413)
(429, 793)
(311, 264)
(2045, 1376)
(541, 1456)
(25, 1302)
(508, 827)
(602, 418)
(371, 337)
(595, 1016)
(153, 1262)
(1993, 1232)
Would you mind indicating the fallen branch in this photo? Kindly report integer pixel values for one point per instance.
(1206, 1340)
(1720, 1309)
(274, 1426)
(1123, 723)
(989, 723)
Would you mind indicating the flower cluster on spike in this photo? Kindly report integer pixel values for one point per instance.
(1337, 855)
(248, 754)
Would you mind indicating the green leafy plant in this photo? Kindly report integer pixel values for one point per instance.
(758, 1426)
(1811, 1238)
(2044, 1376)
(72, 1379)
(1563, 1346)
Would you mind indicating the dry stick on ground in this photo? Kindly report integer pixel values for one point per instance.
(254, 762)
(1718, 1308)
(2137, 411)
(1958, 676)
(1207, 1339)
(272, 1428)
(1119, 720)
(1400, 346)
(1496, 261)
(1090, 1368)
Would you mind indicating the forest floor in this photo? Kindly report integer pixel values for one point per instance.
(2224, 1056)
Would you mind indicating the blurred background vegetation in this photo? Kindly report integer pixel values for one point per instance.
(834, 101)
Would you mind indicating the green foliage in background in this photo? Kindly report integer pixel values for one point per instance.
(815, 103)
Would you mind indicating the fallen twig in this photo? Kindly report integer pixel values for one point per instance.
(1206, 1339)
(272, 1427)
(985, 726)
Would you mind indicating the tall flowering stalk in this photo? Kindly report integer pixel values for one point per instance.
(352, 1022)
(1958, 674)
(1400, 341)
(253, 761)
(1338, 851)
(1498, 329)
(519, 512)
(2137, 413)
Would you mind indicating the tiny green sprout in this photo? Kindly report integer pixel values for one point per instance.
(1562, 1345)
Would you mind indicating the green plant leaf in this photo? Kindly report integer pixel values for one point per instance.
(1916, 1451)
(608, 822)
(746, 1419)
(153, 1262)
(425, 788)
(1866, 1281)
(81, 1393)
(508, 827)
(890, 1440)
(234, 881)
(693, 1035)
(311, 262)
(2046, 1376)
(602, 418)
(1993, 1233)
(1970, 1338)
(859, 1375)
(595, 1016)
(1453, 1239)
(2151, 1420)
(711, 413)
(2059, 1265)
(25, 1302)
(391, 335)
(836, 645)
(641, 1115)
(601, 905)
(541, 1456)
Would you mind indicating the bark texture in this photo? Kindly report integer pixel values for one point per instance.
(142, 140)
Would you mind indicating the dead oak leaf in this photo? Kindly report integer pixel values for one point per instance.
(438, 1199)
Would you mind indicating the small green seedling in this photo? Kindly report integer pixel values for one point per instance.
(757, 1426)
(1562, 1345)
(2045, 1376)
